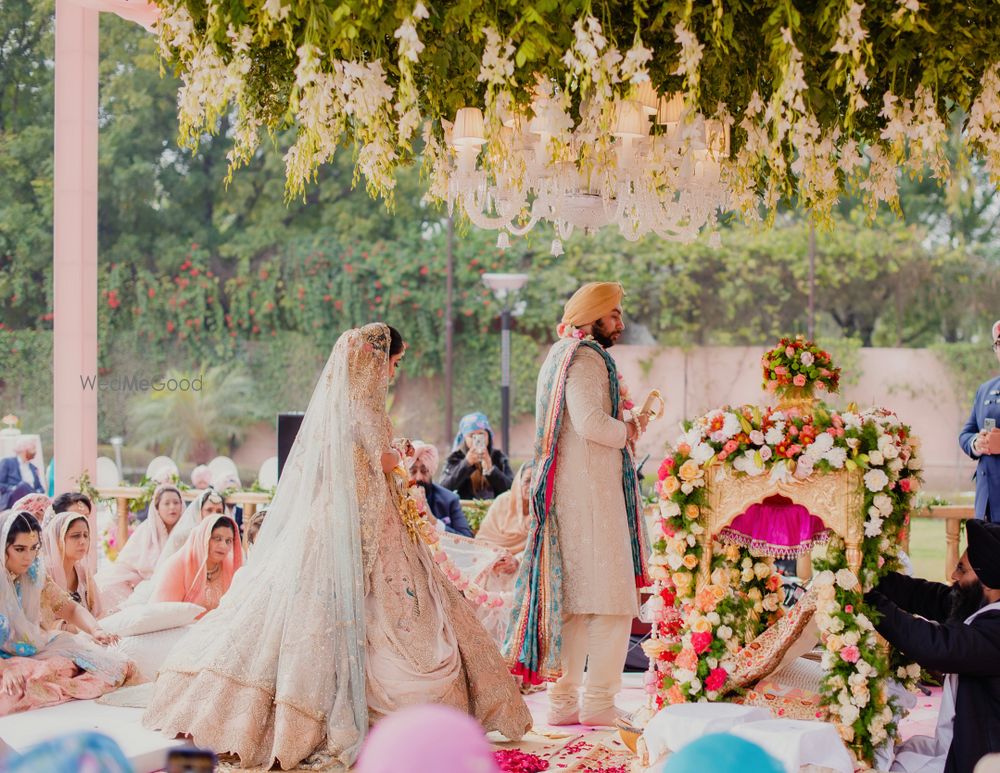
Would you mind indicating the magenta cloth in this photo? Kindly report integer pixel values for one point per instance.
(776, 527)
(432, 738)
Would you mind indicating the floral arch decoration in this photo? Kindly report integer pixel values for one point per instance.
(855, 471)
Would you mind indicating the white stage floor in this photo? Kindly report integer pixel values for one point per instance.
(145, 749)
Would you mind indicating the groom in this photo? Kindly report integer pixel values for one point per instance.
(576, 592)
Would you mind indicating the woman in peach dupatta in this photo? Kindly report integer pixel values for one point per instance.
(66, 544)
(137, 560)
(202, 570)
(507, 522)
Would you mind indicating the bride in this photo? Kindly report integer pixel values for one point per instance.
(340, 617)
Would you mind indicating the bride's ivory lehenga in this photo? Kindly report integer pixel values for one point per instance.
(339, 617)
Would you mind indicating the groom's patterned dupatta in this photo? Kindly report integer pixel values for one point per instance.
(534, 637)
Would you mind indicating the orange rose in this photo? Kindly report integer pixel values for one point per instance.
(674, 696)
(690, 561)
(691, 512)
(669, 486)
(689, 471)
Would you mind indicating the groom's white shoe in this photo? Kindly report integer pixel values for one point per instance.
(606, 718)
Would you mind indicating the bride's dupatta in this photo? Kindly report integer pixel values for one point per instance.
(283, 656)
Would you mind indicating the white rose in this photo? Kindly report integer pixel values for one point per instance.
(713, 618)
(686, 488)
(890, 451)
(895, 466)
(757, 437)
(851, 637)
(694, 686)
(913, 671)
(846, 579)
(669, 509)
(762, 570)
(696, 528)
(836, 625)
(876, 458)
(849, 714)
(692, 540)
(807, 359)
(873, 526)
(723, 633)
(773, 436)
(825, 577)
(674, 561)
(883, 503)
(747, 563)
(702, 452)
(771, 602)
(821, 445)
(876, 480)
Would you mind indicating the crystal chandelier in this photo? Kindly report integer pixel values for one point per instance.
(656, 168)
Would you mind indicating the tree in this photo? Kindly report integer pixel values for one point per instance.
(194, 414)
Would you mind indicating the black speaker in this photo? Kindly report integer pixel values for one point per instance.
(288, 428)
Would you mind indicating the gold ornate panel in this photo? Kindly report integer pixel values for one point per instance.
(836, 498)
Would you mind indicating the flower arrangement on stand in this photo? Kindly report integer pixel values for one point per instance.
(694, 636)
(798, 368)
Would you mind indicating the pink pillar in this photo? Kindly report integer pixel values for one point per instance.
(75, 233)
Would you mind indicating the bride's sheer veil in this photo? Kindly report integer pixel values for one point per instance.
(294, 618)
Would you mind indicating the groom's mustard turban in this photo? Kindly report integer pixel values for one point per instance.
(591, 302)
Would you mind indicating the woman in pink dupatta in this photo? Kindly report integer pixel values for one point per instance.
(202, 570)
(39, 667)
(66, 545)
(137, 560)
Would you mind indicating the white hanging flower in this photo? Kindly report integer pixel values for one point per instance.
(846, 579)
(497, 67)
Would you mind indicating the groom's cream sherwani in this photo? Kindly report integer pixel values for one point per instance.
(599, 595)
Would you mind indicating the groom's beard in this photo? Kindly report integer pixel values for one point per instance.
(964, 601)
(601, 337)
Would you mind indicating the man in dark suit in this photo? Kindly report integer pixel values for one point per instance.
(443, 504)
(954, 630)
(18, 475)
(982, 444)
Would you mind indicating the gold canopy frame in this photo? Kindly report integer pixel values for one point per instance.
(836, 498)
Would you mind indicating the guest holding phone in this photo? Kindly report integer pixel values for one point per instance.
(980, 439)
(475, 469)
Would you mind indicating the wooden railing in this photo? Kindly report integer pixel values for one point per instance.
(250, 500)
(952, 515)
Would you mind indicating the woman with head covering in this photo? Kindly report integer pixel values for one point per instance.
(208, 503)
(475, 469)
(36, 504)
(40, 667)
(253, 528)
(508, 519)
(202, 570)
(137, 560)
(66, 543)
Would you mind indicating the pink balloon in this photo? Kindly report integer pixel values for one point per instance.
(431, 737)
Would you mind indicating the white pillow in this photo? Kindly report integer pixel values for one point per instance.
(149, 650)
(147, 618)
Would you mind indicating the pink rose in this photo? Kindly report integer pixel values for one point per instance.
(849, 609)
(781, 370)
(765, 453)
(789, 351)
(799, 380)
(851, 654)
(772, 385)
(906, 484)
(716, 679)
(730, 446)
(701, 641)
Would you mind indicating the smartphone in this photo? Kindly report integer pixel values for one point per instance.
(188, 759)
(989, 424)
(479, 442)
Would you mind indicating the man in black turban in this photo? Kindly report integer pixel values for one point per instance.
(955, 630)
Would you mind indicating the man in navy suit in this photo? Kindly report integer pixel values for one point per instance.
(443, 504)
(975, 441)
(18, 475)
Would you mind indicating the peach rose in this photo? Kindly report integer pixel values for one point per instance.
(690, 471)
(687, 659)
(669, 486)
(691, 561)
(691, 512)
(674, 696)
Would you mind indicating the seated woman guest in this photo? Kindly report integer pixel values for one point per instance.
(253, 529)
(137, 560)
(475, 469)
(208, 503)
(40, 667)
(202, 570)
(66, 544)
(509, 517)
